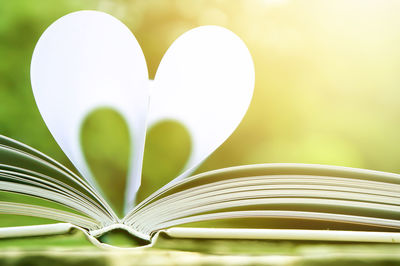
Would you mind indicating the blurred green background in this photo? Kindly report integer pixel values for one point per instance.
(327, 84)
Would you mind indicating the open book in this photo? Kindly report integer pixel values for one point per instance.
(205, 81)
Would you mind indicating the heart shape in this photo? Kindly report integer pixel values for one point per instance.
(89, 59)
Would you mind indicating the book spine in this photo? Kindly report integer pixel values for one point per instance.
(101, 231)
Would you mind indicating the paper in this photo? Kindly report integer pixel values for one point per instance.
(88, 60)
(205, 81)
(83, 61)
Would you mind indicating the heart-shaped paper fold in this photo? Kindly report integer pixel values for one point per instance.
(88, 59)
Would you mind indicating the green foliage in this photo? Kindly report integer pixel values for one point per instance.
(327, 87)
(21, 24)
(326, 80)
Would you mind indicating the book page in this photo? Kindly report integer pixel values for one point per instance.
(320, 196)
(83, 61)
(205, 81)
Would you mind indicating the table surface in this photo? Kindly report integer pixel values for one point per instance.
(74, 249)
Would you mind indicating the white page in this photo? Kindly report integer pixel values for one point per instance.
(205, 81)
(83, 61)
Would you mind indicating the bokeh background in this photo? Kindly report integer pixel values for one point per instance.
(327, 84)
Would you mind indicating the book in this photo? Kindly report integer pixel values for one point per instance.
(205, 81)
